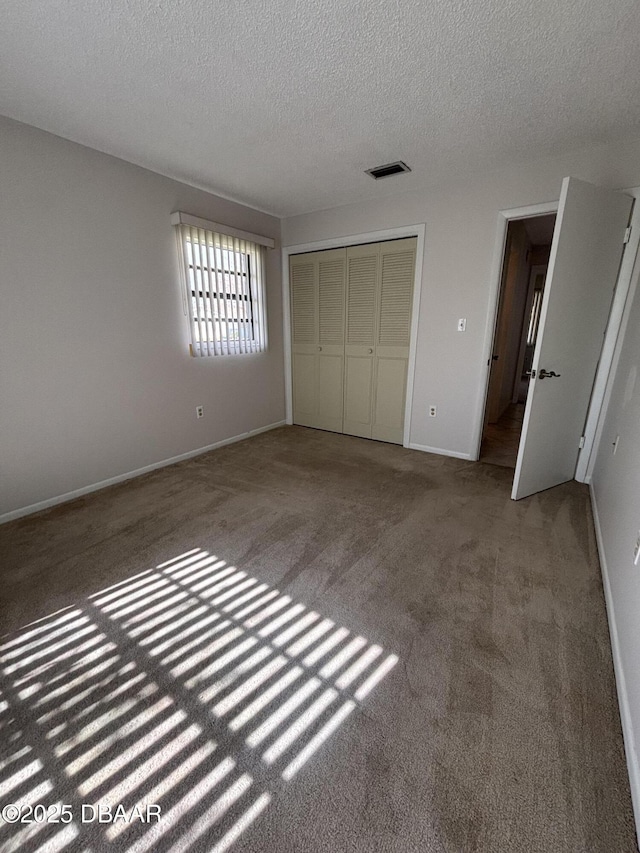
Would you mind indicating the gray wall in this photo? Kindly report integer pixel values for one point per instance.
(95, 375)
(616, 493)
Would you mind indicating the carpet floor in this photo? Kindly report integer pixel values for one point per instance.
(310, 642)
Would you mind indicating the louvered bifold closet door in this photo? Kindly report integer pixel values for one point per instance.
(362, 306)
(351, 325)
(303, 276)
(397, 271)
(331, 316)
(317, 282)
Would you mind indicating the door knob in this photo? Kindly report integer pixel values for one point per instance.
(319, 349)
(543, 374)
(370, 352)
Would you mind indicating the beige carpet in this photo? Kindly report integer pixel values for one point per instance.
(311, 642)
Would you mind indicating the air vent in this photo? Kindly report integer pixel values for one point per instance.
(388, 170)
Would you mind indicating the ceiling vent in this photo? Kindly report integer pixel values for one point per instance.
(388, 170)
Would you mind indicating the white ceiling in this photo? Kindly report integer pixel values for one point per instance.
(283, 103)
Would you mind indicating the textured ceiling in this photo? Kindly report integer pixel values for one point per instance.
(283, 103)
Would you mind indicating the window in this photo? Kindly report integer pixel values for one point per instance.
(534, 317)
(223, 280)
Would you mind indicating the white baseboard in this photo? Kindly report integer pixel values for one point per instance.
(621, 686)
(439, 450)
(120, 478)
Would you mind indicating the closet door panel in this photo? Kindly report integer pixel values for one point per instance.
(331, 319)
(305, 397)
(362, 275)
(396, 293)
(388, 418)
(362, 301)
(393, 333)
(304, 337)
(330, 392)
(357, 395)
(317, 332)
(304, 285)
(331, 292)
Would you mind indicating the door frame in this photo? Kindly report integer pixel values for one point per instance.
(495, 283)
(417, 231)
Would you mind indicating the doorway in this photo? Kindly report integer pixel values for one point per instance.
(524, 267)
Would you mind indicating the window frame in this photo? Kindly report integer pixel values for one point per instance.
(223, 287)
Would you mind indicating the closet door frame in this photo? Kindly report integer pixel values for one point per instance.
(417, 231)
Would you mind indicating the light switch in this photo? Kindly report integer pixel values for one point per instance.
(462, 324)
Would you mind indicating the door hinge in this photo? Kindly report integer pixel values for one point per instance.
(627, 235)
(581, 442)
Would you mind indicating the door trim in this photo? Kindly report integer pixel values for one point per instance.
(495, 280)
(417, 231)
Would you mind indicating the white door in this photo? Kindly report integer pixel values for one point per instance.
(588, 242)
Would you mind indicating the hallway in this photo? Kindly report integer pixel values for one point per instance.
(501, 440)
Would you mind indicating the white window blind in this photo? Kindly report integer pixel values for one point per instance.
(223, 278)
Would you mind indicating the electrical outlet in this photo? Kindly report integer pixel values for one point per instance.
(433, 411)
(199, 411)
(615, 445)
(636, 551)
(462, 324)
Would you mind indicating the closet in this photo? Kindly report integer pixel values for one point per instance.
(350, 331)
